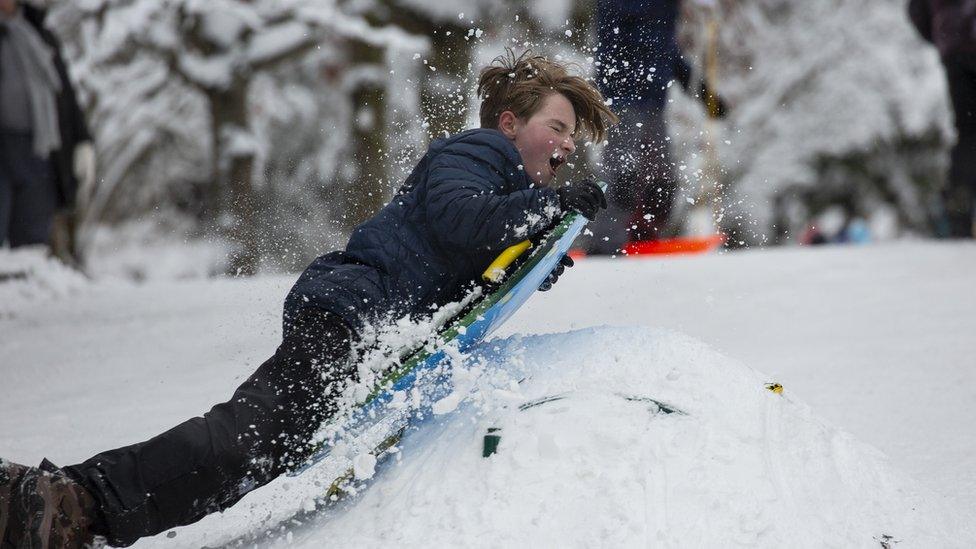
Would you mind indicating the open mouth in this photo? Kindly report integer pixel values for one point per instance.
(555, 161)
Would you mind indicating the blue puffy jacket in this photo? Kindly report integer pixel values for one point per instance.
(467, 200)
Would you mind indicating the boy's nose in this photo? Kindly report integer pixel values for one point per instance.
(569, 145)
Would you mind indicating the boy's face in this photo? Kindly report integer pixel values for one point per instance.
(545, 139)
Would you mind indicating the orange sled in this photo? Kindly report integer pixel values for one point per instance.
(680, 245)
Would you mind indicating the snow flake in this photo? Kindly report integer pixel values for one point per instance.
(364, 466)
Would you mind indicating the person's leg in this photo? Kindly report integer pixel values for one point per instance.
(621, 160)
(642, 184)
(961, 188)
(34, 194)
(208, 463)
(650, 221)
(652, 214)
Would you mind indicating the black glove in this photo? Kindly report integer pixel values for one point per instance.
(585, 197)
(564, 262)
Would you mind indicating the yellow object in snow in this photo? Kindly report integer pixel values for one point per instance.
(775, 387)
(496, 271)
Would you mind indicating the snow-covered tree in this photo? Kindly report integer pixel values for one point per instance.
(833, 104)
(219, 108)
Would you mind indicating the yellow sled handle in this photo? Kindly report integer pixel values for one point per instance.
(496, 271)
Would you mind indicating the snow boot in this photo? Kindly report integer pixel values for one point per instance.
(41, 507)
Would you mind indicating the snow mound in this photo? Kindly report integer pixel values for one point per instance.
(29, 274)
(598, 461)
(606, 437)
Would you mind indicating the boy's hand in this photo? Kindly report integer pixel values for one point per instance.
(565, 262)
(585, 197)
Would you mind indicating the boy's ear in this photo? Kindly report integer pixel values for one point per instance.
(508, 124)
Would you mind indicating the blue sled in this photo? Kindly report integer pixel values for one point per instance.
(380, 417)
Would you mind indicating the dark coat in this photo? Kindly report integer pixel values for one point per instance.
(642, 33)
(949, 24)
(71, 121)
(466, 200)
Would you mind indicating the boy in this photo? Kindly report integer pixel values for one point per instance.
(471, 196)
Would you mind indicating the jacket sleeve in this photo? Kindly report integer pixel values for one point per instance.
(466, 207)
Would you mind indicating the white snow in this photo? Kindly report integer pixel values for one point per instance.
(602, 467)
(276, 40)
(364, 466)
(872, 344)
(208, 71)
(151, 248)
(28, 275)
(807, 88)
(144, 70)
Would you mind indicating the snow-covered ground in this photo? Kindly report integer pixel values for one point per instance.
(873, 345)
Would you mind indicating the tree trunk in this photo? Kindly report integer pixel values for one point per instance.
(444, 94)
(234, 171)
(369, 189)
(443, 90)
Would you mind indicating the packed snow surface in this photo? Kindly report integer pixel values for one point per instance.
(872, 345)
(625, 437)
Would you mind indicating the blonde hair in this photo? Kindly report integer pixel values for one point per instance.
(521, 84)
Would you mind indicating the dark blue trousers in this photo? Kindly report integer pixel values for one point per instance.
(28, 192)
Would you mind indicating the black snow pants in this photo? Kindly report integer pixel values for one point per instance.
(642, 182)
(206, 464)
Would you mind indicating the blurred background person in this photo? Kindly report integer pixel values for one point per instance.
(951, 26)
(639, 59)
(45, 146)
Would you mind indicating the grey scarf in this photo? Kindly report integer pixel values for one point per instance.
(43, 84)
